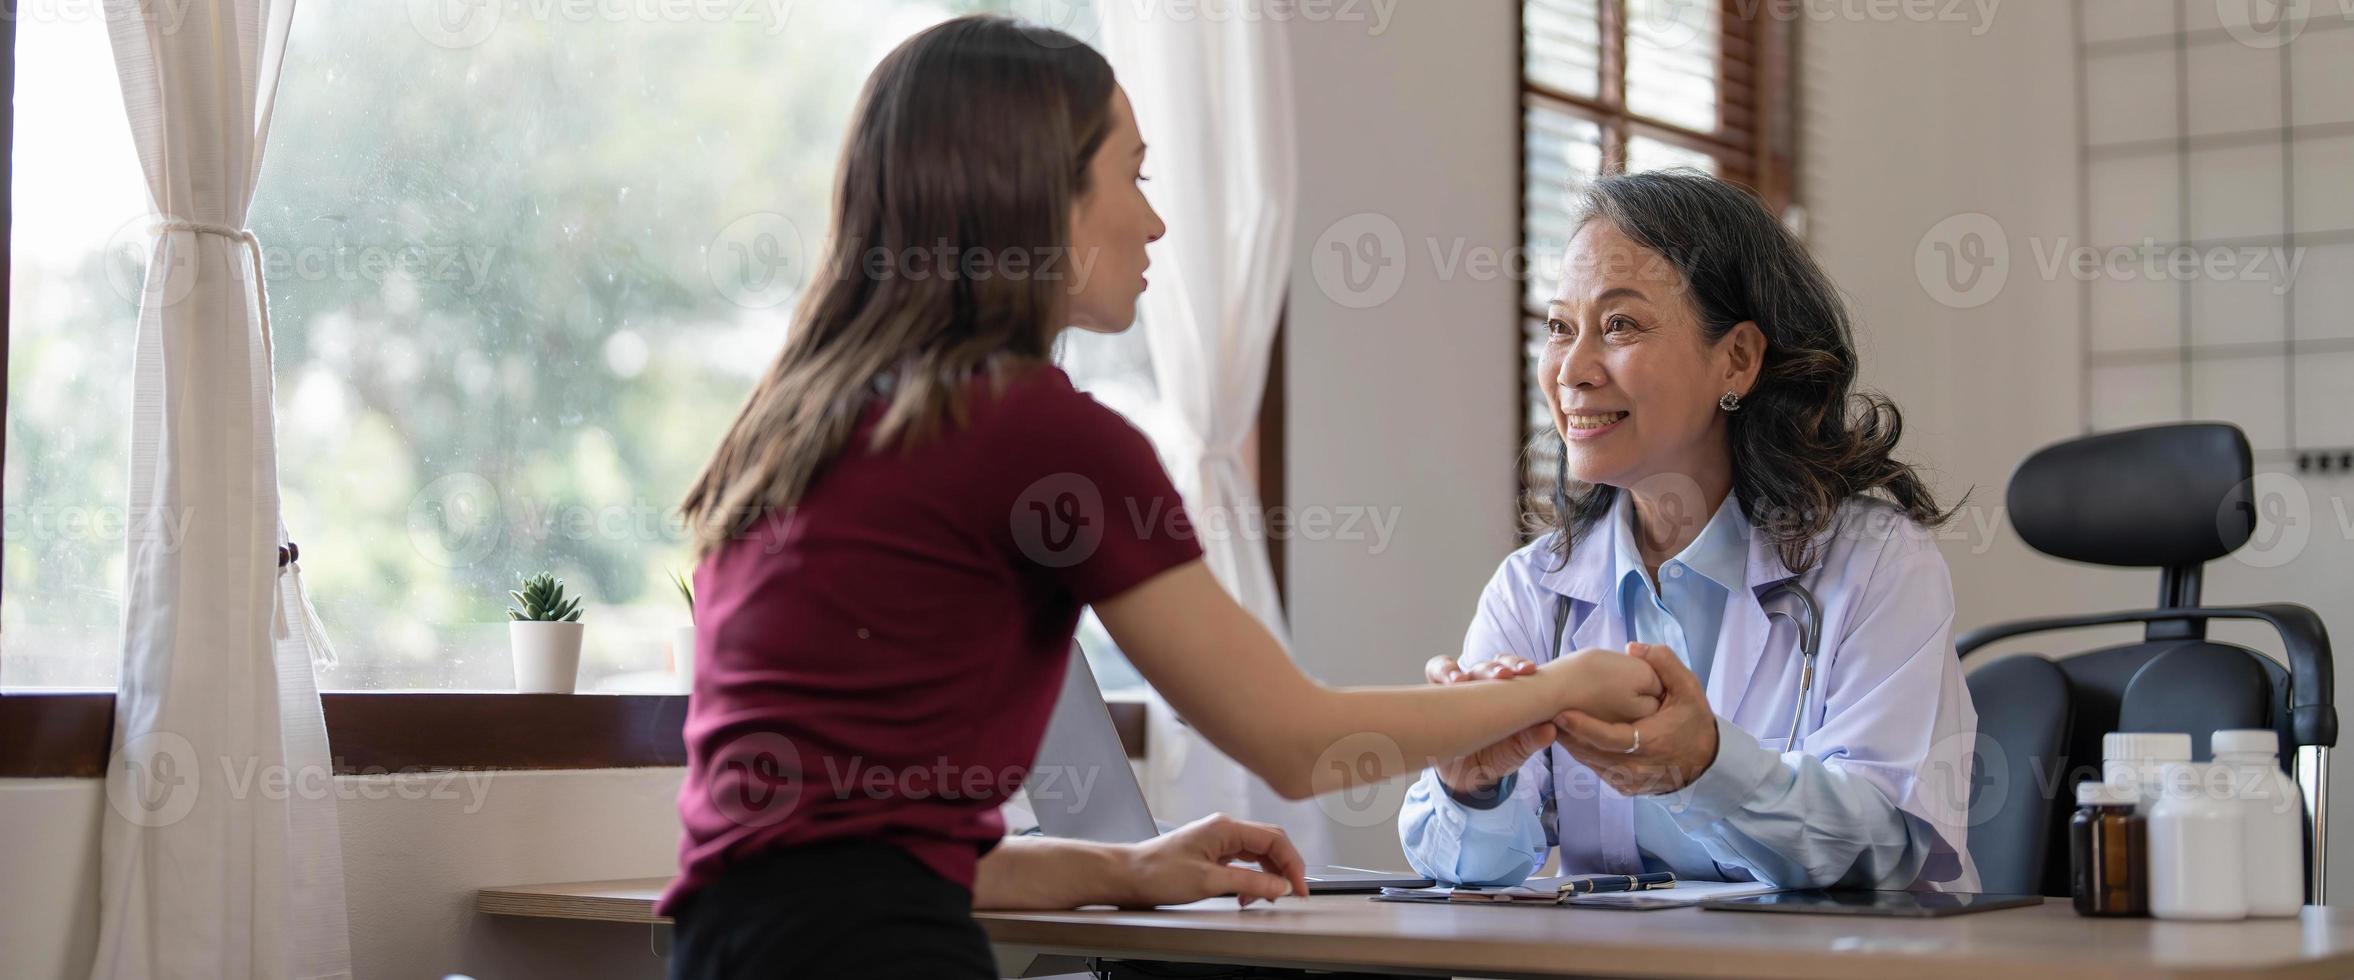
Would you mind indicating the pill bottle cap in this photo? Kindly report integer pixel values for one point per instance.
(2259, 741)
(2154, 746)
(2093, 792)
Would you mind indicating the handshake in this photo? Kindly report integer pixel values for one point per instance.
(1639, 719)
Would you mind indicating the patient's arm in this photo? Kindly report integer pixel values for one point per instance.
(1221, 669)
(1184, 865)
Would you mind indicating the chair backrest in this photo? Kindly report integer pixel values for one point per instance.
(2164, 496)
(2172, 497)
(2024, 718)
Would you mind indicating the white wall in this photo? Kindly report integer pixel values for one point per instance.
(415, 849)
(49, 864)
(1908, 125)
(1408, 405)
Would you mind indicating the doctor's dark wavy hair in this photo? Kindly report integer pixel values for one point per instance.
(1805, 440)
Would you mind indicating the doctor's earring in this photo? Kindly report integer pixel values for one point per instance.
(1731, 402)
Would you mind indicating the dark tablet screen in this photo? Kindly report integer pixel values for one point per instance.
(1908, 904)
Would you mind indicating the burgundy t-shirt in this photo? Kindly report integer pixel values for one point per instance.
(879, 662)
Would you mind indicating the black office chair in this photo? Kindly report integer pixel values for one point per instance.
(2173, 497)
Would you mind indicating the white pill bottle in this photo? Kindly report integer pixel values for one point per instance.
(2197, 846)
(2272, 820)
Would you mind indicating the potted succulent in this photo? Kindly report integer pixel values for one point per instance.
(682, 639)
(544, 633)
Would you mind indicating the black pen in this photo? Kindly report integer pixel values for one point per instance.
(1600, 884)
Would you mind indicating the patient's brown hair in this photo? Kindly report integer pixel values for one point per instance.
(972, 138)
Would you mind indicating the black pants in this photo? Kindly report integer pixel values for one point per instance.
(844, 909)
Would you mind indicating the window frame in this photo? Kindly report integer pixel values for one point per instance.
(7, 219)
(1763, 161)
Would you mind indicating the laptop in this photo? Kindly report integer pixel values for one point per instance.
(1081, 787)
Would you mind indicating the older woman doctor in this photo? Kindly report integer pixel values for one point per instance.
(1699, 369)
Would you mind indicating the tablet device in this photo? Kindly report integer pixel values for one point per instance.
(1916, 905)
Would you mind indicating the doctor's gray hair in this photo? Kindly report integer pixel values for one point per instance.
(1805, 440)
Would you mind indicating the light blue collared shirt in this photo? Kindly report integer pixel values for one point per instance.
(1688, 607)
(1759, 812)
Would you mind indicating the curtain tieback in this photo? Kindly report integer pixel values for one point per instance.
(290, 569)
(253, 246)
(289, 554)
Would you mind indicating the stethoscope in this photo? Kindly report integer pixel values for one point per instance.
(1810, 641)
(1810, 644)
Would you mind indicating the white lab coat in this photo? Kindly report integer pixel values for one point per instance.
(1889, 721)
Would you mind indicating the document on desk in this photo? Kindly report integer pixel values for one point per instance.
(1534, 890)
(1545, 891)
(1686, 893)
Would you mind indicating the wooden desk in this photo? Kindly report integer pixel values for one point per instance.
(1350, 933)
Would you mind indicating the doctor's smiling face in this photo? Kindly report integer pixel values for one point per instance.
(1630, 371)
(1678, 288)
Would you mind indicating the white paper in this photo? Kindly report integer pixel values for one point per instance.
(1683, 894)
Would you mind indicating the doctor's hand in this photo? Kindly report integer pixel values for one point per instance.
(1670, 749)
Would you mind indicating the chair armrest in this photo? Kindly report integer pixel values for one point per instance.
(2313, 719)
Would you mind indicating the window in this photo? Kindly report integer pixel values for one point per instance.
(72, 317)
(1631, 85)
(524, 262)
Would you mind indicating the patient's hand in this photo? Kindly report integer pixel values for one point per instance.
(1608, 682)
(1658, 754)
(1196, 861)
(1612, 685)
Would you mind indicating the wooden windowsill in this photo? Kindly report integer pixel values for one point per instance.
(69, 734)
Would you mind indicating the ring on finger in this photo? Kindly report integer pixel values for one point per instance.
(1638, 746)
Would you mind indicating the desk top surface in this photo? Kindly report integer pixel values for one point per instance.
(1348, 931)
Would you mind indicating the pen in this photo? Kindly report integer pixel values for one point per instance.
(1599, 884)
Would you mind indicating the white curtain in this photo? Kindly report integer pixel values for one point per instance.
(1213, 96)
(220, 854)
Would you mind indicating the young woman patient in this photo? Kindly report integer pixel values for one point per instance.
(899, 530)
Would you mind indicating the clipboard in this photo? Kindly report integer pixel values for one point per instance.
(1550, 892)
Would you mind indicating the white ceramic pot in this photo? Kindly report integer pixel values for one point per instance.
(547, 656)
(682, 658)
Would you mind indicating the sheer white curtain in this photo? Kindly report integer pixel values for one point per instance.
(220, 853)
(1213, 96)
